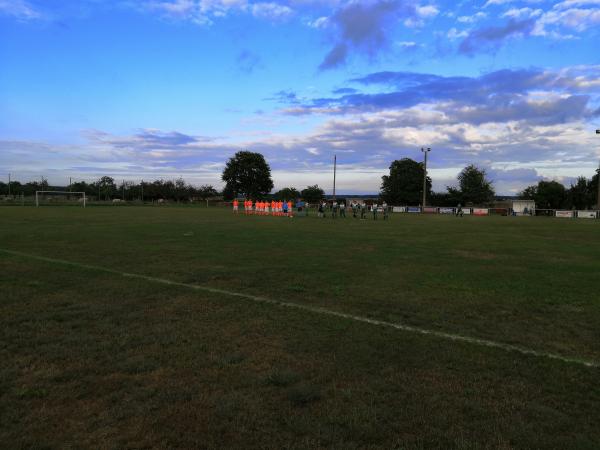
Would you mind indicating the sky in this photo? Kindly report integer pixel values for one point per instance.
(148, 89)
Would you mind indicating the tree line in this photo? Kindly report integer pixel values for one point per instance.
(248, 175)
(404, 186)
(105, 188)
(583, 194)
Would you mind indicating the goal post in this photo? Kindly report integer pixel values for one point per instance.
(39, 193)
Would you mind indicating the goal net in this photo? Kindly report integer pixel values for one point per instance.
(59, 198)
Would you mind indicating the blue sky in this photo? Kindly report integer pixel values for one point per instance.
(144, 89)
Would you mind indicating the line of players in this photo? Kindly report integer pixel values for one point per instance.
(357, 209)
(264, 208)
(285, 208)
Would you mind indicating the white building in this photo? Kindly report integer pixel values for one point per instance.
(523, 207)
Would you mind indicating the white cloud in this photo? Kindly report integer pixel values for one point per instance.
(503, 2)
(201, 12)
(496, 2)
(575, 18)
(422, 13)
(427, 11)
(471, 19)
(522, 13)
(577, 15)
(321, 22)
(271, 11)
(568, 4)
(453, 34)
(407, 44)
(20, 9)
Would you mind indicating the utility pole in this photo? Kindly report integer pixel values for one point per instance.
(334, 171)
(598, 199)
(425, 151)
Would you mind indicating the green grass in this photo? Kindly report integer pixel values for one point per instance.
(94, 359)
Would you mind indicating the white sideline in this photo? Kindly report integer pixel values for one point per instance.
(318, 310)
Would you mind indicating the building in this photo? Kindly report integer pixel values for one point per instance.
(523, 207)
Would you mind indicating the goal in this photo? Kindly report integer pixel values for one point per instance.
(63, 195)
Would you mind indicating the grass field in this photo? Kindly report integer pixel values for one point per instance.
(92, 358)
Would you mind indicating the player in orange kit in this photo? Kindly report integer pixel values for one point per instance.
(235, 206)
(290, 210)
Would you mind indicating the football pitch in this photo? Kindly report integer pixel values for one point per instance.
(188, 327)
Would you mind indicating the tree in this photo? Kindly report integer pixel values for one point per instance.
(288, 193)
(528, 193)
(312, 194)
(442, 199)
(247, 174)
(228, 193)
(474, 187)
(206, 191)
(106, 187)
(404, 184)
(547, 194)
(180, 189)
(579, 194)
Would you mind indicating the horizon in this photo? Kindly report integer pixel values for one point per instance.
(165, 89)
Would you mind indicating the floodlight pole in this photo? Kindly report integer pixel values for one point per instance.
(9, 184)
(334, 172)
(425, 151)
(598, 199)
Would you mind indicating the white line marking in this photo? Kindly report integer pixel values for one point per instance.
(318, 310)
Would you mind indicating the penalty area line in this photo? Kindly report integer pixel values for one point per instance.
(317, 310)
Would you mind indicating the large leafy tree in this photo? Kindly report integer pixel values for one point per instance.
(312, 194)
(547, 194)
(288, 193)
(106, 187)
(247, 174)
(404, 184)
(579, 194)
(474, 187)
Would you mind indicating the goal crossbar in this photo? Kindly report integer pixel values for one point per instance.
(37, 199)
